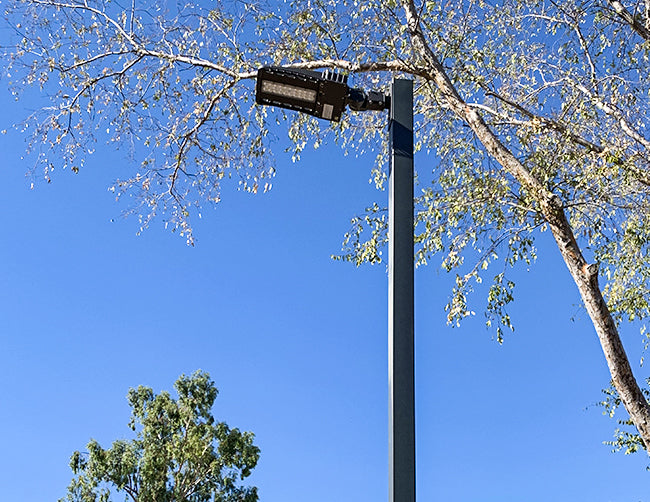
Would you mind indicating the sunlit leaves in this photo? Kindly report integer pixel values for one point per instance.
(563, 85)
(626, 439)
(162, 85)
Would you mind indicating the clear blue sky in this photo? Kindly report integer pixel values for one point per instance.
(296, 343)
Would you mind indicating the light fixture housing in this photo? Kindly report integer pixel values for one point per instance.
(322, 95)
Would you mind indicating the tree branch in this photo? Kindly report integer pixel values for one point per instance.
(342, 64)
(612, 111)
(562, 128)
(187, 137)
(623, 13)
(86, 7)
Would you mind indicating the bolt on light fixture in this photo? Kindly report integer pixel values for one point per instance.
(321, 94)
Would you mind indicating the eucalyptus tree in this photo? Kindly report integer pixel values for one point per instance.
(531, 117)
(180, 452)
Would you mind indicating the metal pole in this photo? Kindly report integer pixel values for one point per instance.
(401, 374)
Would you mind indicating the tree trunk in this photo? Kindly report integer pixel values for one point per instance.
(586, 278)
(584, 275)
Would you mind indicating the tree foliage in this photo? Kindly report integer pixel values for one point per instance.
(180, 453)
(626, 439)
(530, 117)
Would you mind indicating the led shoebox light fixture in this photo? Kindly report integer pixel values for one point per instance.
(302, 90)
(321, 94)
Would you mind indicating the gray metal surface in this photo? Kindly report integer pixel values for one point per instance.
(401, 374)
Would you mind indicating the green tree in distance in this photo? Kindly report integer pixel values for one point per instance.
(531, 116)
(180, 453)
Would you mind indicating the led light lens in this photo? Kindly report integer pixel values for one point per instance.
(289, 91)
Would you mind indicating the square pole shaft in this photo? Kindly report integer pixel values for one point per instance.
(401, 353)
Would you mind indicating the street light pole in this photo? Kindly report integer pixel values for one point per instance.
(401, 353)
(325, 95)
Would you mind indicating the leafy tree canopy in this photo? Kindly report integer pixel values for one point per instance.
(530, 116)
(180, 453)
